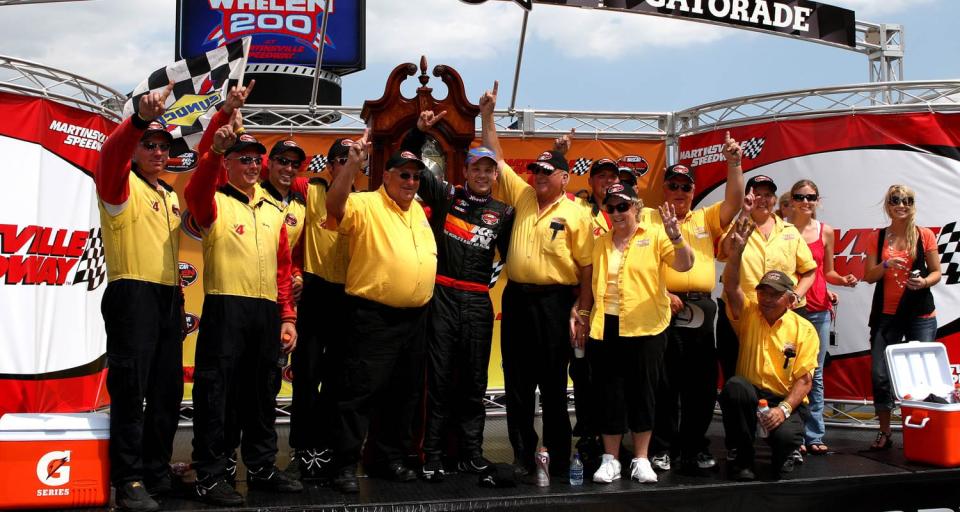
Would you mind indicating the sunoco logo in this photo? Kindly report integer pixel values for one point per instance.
(189, 108)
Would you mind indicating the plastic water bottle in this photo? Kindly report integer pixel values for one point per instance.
(543, 468)
(762, 410)
(576, 470)
(956, 393)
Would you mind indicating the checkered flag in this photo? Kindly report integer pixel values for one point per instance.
(497, 269)
(317, 164)
(92, 268)
(199, 85)
(752, 147)
(581, 166)
(947, 244)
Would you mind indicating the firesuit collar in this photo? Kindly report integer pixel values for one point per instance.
(476, 198)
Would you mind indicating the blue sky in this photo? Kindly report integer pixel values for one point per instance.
(575, 59)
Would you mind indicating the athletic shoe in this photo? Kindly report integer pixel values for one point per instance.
(742, 474)
(788, 466)
(609, 470)
(476, 465)
(270, 478)
(346, 480)
(796, 457)
(661, 462)
(232, 468)
(218, 492)
(705, 460)
(731, 454)
(134, 496)
(642, 471)
(433, 471)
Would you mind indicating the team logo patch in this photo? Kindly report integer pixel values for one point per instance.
(176, 210)
(490, 218)
(238, 228)
(407, 154)
(191, 322)
(290, 144)
(291, 220)
(183, 162)
(613, 189)
(188, 273)
(246, 137)
(635, 164)
(681, 170)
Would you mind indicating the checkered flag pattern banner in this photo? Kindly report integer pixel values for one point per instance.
(497, 269)
(199, 85)
(947, 245)
(317, 164)
(92, 267)
(752, 147)
(581, 166)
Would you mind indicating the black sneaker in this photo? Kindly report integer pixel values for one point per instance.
(346, 480)
(160, 486)
(433, 471)
(743, 474)
(318, 466)
(477, 465)
(232, 469)
(134, 496)
(270, 478)
(788, 466)
(218, 492)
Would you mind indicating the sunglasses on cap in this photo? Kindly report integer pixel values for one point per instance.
(286, 161)
(897, 200)
(805, 197)
(153, 146)
(686, 187)
(619, 207)
(247, 160)
(542, 170)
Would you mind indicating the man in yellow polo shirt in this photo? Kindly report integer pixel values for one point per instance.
(690, 361)
(390, 278)
(778, 354)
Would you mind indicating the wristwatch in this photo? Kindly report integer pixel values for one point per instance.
(785, 407)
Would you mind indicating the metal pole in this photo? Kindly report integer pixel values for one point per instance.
(316, 71)
(516, 73)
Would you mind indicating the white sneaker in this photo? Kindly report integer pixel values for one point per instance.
(661, 461)
(609, 470)
(641, 471)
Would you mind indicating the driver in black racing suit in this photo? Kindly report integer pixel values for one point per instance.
(469, 226)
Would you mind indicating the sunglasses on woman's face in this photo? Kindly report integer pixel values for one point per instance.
(805, 197)
(619, 207)
(686, 187)
(897, 201)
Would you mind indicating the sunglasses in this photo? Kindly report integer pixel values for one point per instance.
(153, 146)
(619, 207)
(286, 161)
(407, 175)
(686, 187)
(542, 170)
(805, 197)
(897, 200)
(247, 160)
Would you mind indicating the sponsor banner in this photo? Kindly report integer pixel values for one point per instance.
(853, 160)
(52, 271)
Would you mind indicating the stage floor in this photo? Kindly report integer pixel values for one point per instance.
(848, 478)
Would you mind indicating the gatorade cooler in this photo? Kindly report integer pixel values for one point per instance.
(54, 461)
(931, 431)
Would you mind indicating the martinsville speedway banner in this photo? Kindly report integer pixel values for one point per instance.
(853, 160)
(52, 271)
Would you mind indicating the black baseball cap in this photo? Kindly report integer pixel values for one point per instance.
(156, 128)
(339, 148)
(245, 141)
(678, 171)
(401, 158)
(603, 163)
(618, 190)
(760, 180)
(551, 160)
(288, 145)
(777, 280)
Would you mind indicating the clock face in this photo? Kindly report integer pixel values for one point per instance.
(434, 158)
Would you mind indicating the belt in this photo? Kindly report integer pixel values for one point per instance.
(692, 295)
(541, 288)
(458, 284)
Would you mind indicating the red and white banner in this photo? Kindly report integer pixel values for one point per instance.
(52, 271)
(853, 159)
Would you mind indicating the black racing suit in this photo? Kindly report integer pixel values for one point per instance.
(468, 229)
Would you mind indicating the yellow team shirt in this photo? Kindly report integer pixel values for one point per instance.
(761, 356)
(644, 308)
(325, 252)
(538, 253)
(392, 255)
(294, 209)
(784, 250)
(240, 247)
(141, 237)
(701, 228)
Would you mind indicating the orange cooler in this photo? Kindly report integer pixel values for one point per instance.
(931, 431)
(54, 460)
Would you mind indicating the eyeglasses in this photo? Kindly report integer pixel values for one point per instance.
(686, 187)
(897, 200)
(247, 160)
(805, 197)
(153, 146)
(542, 170)
(407, 175)
(286, 161)
(619, 207)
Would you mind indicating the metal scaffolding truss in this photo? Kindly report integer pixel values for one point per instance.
(32, 79)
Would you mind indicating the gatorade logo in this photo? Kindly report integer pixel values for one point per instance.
(53, 469)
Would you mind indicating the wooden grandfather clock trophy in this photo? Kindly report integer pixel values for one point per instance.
(393, 115)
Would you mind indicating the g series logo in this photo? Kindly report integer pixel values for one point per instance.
(53, 469)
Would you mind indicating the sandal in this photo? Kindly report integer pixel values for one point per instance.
(883, 441)
(818, 449)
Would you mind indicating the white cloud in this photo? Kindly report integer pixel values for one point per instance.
(870, 10)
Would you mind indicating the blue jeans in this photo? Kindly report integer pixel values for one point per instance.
(888, 332)
(813, 428)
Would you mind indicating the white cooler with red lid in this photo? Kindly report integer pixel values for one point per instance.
(931, 431)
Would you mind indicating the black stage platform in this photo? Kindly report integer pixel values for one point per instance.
(847, 479)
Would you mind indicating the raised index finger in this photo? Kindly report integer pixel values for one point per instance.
(166, 92)
(249, 89)
(496, 87)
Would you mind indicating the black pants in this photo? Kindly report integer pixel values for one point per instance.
(738, 401)
(322, 335)
(535, 343)
(145, 361)
(458, 353)
(382, 372)
(728, 345)
(690, 377)
(584, 397)
(235, 383)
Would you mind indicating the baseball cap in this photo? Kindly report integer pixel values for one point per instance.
(245, 141)
(618, 190)
(759, 180)
(155, 128)
(678, 171)
(479, 153)
(553, 160)
(339, 148)
(401, 158)
(288, 145)
(777, 280)
(603, 163)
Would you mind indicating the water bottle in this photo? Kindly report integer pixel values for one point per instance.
(762, 410)
(576, 470)
(543, 468)
(282, 358)
(956, 393)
